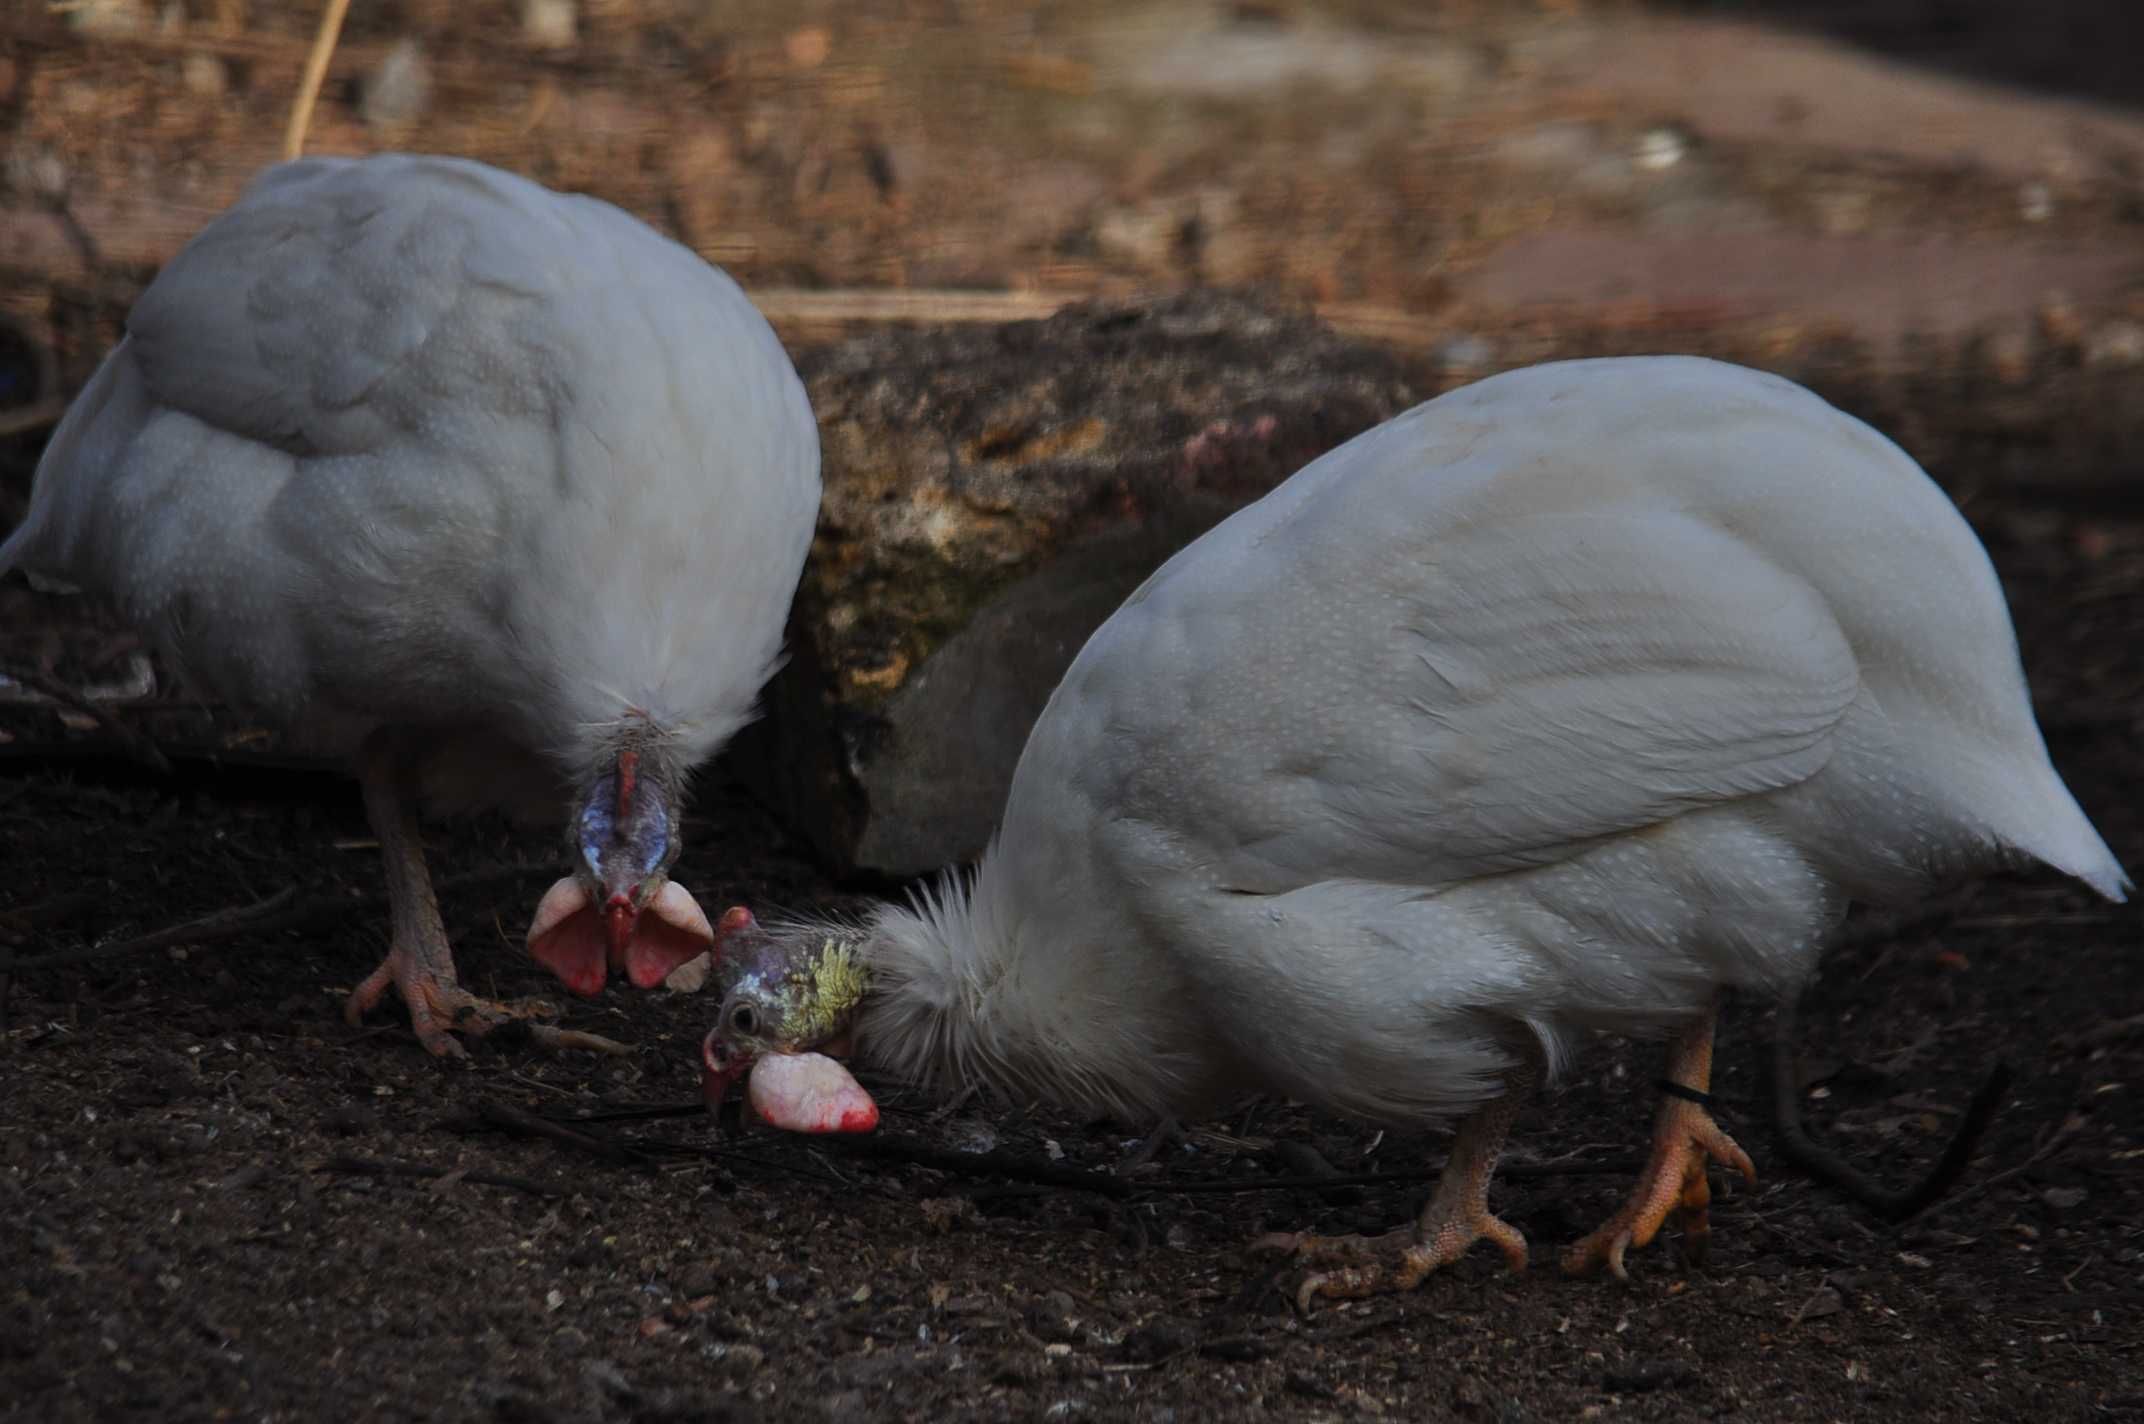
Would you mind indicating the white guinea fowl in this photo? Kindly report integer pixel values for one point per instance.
(492, 488)
(1557, 704)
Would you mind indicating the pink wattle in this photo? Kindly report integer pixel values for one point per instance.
(567, 938)
(809, 1092)
(573, 940)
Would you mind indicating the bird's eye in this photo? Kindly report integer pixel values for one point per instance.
(744, 1019)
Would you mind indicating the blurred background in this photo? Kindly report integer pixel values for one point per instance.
(1929, 211)
(1465, 181)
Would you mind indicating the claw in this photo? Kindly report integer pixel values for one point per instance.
(1456, 1217)
(1397, 1261)
(439, 1008)
(1673, 1184)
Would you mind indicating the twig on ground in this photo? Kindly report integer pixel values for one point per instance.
(2113, 1031)
(1031, 1169)
(515, 1032)
(2062, 1134)
(136, 745)
(280, 911)
(372, 1167)
(493, 1116)
(554, 1038)
(886, 1148)
(1798, 1147)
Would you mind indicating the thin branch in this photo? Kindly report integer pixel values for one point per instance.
(935, 306)
(2057, 1138)
(137, 746)
(316, 71)
(1798, 1147)
(495, 1116)
(1509, 1171)
(553, 1038)
(373, 1167)
(885, 1147)
(1392, 326)
(280, 911)
(2113, 1031)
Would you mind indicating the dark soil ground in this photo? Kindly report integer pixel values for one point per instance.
(220, 1202)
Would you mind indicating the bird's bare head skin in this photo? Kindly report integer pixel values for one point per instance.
(618, 908)
(791, 1001)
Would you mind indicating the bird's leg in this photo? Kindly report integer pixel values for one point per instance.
(1685, 1138)
(1456, 1217)
(420, 961)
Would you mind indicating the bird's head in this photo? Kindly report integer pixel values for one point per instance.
(618, 908)
(791, 1000)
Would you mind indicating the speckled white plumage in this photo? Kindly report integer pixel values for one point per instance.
(1555, 704)
(409, 440)
(492, 487)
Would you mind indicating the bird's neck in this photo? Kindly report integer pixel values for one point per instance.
(628, 767)
(966, 993)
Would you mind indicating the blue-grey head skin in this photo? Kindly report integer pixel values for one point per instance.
(795, 989)
(626, 833)
(617, 908)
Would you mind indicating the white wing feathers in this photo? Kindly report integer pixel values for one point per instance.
(1530, 688)
(282, 320)
(410, 439)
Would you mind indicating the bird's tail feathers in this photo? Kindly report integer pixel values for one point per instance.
(2050, 826)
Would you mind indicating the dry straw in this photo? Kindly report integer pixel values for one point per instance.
(316, 71)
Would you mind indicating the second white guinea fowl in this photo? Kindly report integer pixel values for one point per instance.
(491, 488)
(1557, 704)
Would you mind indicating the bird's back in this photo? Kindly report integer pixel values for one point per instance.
(1602, 496)
(411, 439)
(1563, 699)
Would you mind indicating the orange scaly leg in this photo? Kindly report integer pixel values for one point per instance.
(1685, 1138)
(1456, 1217)
(420, 961)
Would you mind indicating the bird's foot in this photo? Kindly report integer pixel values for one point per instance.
(439, 1007)
(1685, 1138)
(1397, 1261)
